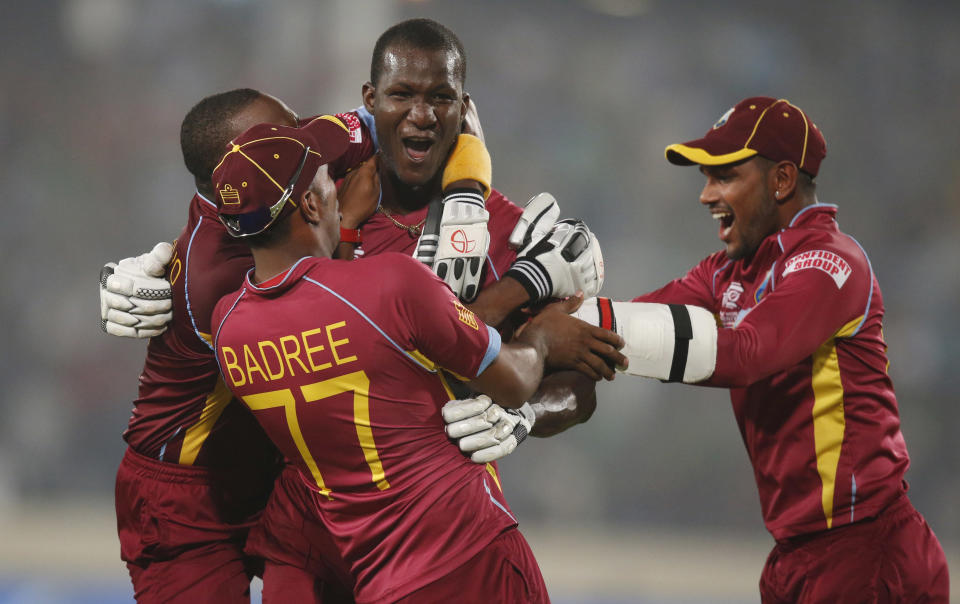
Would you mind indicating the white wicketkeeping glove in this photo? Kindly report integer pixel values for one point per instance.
(135, 298)
(538, 217)
(484, 429)
(456, 248)
(565, 261)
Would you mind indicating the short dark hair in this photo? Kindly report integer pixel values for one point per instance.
(425, 34)
(206, 130)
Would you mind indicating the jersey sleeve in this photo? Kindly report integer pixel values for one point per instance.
(694, 288)
(807, 307)
(441, 328)
(361, 148)
(213, 265)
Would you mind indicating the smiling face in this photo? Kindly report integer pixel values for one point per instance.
(740, 196)
(418, 106)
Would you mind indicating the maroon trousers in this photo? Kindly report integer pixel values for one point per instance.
(894, 557)
(177, 546)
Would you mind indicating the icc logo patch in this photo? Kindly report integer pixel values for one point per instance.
(730, 304)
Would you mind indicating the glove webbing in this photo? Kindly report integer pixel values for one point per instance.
(682, 333)
(519, 431)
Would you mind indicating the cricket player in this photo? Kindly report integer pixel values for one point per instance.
(187, 492)
(789, 317)
(339, 361)
(562, 402)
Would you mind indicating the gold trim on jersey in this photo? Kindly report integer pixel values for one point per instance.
(829, 421)
(197, 434)
(493, 472)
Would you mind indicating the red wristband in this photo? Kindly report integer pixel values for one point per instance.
(349, 235)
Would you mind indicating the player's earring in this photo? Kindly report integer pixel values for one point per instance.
(777, 194)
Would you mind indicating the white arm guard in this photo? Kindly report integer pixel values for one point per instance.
(669, 342)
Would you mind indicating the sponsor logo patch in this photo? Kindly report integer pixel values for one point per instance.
(353, 125)
(466, 315)
(461, 243)
(229, 196)
(828, 262)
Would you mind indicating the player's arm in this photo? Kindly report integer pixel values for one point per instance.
(359, 196)
(555, 260)
(552, 339)
(563, 400)
(806, 309)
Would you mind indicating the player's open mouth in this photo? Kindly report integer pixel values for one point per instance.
(417, 147)
(726, 223)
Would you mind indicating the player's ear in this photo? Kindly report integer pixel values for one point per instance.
(367, 93)
(784, 180)
(310, 207)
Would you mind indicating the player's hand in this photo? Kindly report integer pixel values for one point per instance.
(539, 216)
(565, 261)
(135, 298)
(575, 344)
(485, 430)
(359, 194)
(462, 243)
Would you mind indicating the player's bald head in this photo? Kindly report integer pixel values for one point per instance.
(421, 34)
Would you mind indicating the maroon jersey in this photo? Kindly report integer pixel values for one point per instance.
(340, 363)
(801, 349)
(182, 414)
(380, 234)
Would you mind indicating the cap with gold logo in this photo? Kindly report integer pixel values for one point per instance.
(761, 125)
(269, 167)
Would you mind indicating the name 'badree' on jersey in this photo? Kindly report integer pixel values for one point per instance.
(277, 358)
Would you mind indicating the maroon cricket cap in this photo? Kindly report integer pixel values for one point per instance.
(268, 168)
(760, 125)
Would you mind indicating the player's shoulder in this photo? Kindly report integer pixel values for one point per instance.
(391, 264)
(498, 205)
(824, 245)
(223, 307)
(820, 245)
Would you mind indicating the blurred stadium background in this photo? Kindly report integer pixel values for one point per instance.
(651, 501)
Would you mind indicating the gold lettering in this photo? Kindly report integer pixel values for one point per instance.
(266, 362)
(252, 366)
(309, 350)
(295, 355)
(232, 365)
(335, 343)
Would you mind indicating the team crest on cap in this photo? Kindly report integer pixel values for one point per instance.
(229, 196)
(723, 118)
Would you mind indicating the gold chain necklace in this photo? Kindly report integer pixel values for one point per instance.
(413, 230)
